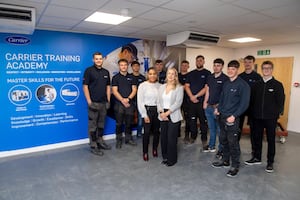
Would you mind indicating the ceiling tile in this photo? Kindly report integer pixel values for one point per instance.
(141, 23)
(192, 6)
(163, 15)
(291, 10)
(262, 4)
(89, 5)
(116, 6)
(69, 13)
(57, 21)
(170, 28)
(151, 2)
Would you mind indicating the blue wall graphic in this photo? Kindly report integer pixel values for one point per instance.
(41, 86)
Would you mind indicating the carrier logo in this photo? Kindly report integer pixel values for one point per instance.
(18, 40)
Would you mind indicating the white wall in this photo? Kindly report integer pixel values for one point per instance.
(287, 50)
(210, 54)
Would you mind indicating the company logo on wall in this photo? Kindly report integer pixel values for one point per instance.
(17, 40)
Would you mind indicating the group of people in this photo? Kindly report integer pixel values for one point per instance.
(163, 99)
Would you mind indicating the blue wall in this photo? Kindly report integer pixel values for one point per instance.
(41, 86)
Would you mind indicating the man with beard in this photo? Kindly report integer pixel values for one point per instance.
(195, 87)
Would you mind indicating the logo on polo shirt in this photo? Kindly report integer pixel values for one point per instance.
(233, 90)
(271, 90)
(220, 81)
(105, 76)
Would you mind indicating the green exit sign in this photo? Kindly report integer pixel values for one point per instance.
(263, 52)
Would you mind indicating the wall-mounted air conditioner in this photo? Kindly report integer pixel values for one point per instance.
(192, 39)
(17, 19)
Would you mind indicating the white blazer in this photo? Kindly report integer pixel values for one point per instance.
(176, 101)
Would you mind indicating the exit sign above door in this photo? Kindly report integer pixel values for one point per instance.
(263, 52)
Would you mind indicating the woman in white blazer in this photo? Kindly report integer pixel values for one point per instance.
(169, 103)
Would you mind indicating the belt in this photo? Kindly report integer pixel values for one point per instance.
(150, 106)
(212, 105)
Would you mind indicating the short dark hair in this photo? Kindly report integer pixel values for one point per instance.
(158, 61)
(267, 62)
(123, 60)
(135, 63)
(250, 57)
(185, 61)
(219, 61)
(234, 63)
(97, 54)
(200, 56)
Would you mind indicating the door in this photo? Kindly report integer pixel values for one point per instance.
(283, 68)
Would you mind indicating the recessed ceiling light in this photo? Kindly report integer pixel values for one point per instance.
(106, 18)
(244, 40)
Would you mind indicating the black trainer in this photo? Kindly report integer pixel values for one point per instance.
(253, 161)
(119, 145)
(233, 172)
(186, 140)
(103, 145)
(97, 151)
(131, 142)
(192, 140)
(205, 149)
(220, 163)
(269, 168)
(219, 155)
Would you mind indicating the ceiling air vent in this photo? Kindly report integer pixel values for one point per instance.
(192, 39)
(17, 19)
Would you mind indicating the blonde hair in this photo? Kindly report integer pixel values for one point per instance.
(176, 81)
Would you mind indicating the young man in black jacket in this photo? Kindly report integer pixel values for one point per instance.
(267, 102)
(251, 77)
(233, 102)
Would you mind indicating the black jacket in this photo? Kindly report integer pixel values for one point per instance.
(267, 99)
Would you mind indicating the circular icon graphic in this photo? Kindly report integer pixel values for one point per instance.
(46, 94)
(69, 92)
(19, 95)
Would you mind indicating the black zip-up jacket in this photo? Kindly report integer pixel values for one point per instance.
(234, 98)
(267, 99)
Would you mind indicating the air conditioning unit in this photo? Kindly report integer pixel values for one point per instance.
(192, 39)
(17, 19)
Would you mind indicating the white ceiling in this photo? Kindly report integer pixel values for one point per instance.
(274, 21)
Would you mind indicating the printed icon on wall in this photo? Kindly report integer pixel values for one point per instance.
(69, 92)
(19, 95)
(46, 94)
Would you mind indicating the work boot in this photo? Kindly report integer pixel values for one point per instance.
(96, 151)
(102, 145)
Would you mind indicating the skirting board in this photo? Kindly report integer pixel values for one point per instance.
(53, 146)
